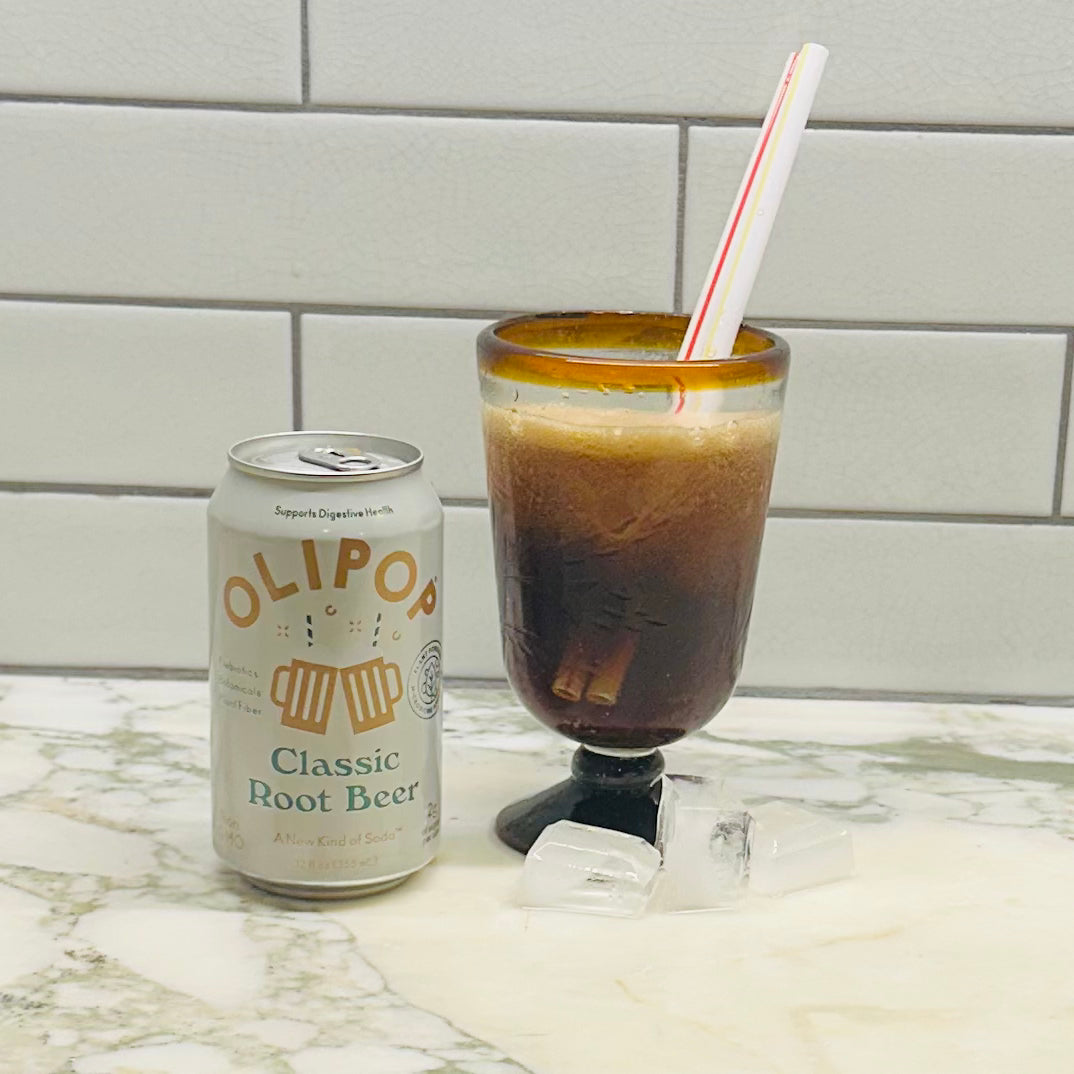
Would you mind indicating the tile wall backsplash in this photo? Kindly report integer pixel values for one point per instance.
(901, 225)
(942, 422)
(369, 210)
(136, 395)
(244, 50)
(915, 62)
(220, 220)
(435, 353)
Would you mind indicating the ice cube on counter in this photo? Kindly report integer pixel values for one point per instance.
(589, 870)
(704, 834)
(792, 848)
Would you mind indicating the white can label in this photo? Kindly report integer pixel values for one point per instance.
(326, 696)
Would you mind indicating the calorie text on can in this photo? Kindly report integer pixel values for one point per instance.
(325, 590)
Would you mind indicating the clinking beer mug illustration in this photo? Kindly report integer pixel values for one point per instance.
(370, 696)
(371, 690)
(307, 694)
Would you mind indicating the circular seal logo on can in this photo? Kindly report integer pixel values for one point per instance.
(423, 685)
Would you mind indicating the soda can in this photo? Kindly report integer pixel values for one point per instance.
(325, 553)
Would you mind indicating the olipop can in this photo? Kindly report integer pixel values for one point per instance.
(325, 555)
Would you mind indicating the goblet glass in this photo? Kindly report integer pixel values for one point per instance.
(628, 494)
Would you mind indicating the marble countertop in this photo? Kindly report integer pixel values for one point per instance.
(125, 947)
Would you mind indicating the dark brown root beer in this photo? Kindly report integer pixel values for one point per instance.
(626, 548)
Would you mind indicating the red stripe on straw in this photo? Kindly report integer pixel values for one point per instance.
(741, 206)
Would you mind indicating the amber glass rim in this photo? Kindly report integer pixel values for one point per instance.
(535, 348)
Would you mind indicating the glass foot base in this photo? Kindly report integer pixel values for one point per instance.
(621, 793)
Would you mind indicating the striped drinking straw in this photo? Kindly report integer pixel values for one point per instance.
(716, 319)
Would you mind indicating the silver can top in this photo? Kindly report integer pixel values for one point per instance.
(330, 457)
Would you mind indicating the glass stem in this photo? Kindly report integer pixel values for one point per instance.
(620, 771)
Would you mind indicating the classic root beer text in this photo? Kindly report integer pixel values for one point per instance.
(356, 796)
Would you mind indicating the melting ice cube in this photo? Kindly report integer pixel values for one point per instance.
(793, 848)
(589, 870)
(704, 834)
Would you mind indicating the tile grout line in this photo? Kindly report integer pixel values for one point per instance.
(460, 682)
(1064, 428)
(465, 501)
(304, 47)
(838, 324)
(88, 488)
(256, 305)
(848, 693)
(680, 216)
(565, 116)
(75, 671)
(296, 370)
(481, 503)
(341, 309)
(163, 492)
(896, 127)
(935, 517)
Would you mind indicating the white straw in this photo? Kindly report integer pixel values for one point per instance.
(719, 311)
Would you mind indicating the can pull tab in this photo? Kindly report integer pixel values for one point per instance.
(331, 459)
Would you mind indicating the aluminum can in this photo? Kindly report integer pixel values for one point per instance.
(325, 554)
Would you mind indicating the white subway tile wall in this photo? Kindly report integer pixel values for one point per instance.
(917, 61)
(343, 389)
(471, 619)
(1068, 483)
(103, 581)
(381, 210)
(95, 581)
(94, 382)
(244, 50)
(220, 220)
(922, 606)
(941, 422)
(900, 225)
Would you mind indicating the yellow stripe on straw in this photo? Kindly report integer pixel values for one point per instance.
(725, 293)
(751, 217)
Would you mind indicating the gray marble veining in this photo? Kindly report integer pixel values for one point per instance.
(125, 946)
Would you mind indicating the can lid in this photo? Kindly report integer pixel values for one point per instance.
(325, 456)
